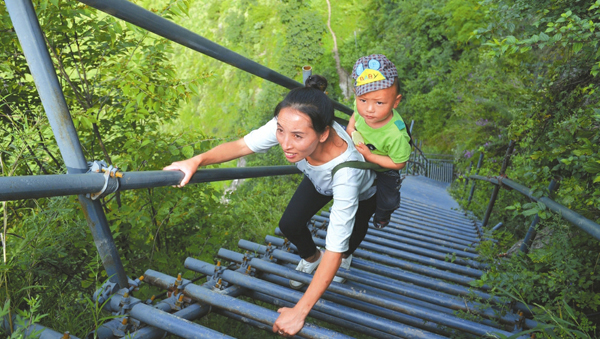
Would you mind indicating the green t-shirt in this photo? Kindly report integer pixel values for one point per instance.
(391, 139)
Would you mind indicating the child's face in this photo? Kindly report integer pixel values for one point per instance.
(376, 107)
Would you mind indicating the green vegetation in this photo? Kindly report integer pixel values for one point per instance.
(474, 75)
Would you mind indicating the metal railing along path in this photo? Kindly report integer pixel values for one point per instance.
(573, 217)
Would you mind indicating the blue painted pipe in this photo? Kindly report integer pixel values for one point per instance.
(30, 35)
(488, 212)
(404, 252)
(415, 258)
(448, 230)
(43, 332)
(445, 231)
(173, 324)
(322, 306)
(246, 309)
(416, 250)
(421, 244)
(397, 225)
(423, 251)
(479, 162)
(428, 240)
(357, 303)
(248, 321)
(456, 232)
(429, 219)
(374, 280)
(438, 210)
(43, 186)
(495, 228)
(571, 216)
(416, 311)
(416, 279)
(406, 265)
(428, 279)
(361, 306)
(446, 236)
(316, 314)
(191, 312)
(149, 21)
(157, 317)
(399, 244)
(292, 258)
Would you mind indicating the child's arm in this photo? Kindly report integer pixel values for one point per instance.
(381, 160)
(350, 128)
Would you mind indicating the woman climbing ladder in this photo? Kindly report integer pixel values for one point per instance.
(303, 125)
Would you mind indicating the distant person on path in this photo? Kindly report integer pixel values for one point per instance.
(304, 128)
(385, 141)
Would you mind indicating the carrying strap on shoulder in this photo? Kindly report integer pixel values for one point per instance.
(410, 139)
(355, 164)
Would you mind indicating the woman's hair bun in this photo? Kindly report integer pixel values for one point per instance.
(316, 81)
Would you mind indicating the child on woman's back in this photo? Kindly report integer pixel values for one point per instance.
(386, 141)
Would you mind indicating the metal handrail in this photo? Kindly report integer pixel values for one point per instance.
(573, 217)
(43, 186)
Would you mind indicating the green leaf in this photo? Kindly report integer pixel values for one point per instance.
(511, 39)
(577, 47)
(534, 38)
(173, 150)
(188, 151)
(531, 212)
(597, 179)
(544, 37)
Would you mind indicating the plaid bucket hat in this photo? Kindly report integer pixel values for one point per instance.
(372, 73)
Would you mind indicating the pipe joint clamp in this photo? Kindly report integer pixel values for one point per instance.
(111, 181)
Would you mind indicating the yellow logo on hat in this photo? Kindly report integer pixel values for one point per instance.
(368, 76)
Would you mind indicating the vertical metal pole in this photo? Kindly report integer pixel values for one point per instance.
(532, 232)
(421, 159)
(412, 123)
(27, 27)
(473, 185)
(467, 175)
(488, 212)
(413, 156)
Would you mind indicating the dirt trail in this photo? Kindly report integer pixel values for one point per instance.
(345, 79)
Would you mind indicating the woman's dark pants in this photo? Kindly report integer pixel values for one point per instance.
(304, 204)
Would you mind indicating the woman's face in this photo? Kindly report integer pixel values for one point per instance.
(296, 135)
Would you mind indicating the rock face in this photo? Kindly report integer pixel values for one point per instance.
(541, 240)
